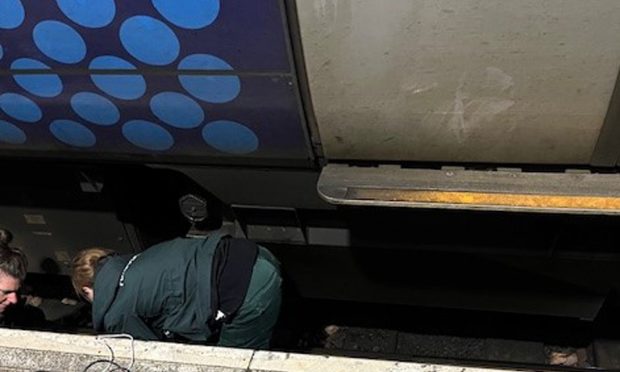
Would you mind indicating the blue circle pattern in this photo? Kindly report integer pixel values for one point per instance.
(177, 110)
(231, 137)
(118, 86)
(59, 42)
(93, 14)
(212, 89)
(11, 14)
(147, 135)
(42, 85)
(190, 14)
(9, 133)
(20, 107)
(73, 133)
(95, 108)
(149, 40)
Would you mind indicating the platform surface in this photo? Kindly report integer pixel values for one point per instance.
(45, 351)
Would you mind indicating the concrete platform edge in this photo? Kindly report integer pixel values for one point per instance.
(45, 351)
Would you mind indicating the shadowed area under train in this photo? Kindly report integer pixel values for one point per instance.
(520, 263)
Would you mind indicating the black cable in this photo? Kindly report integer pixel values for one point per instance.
(117, 366)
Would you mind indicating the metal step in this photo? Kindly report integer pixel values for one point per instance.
(501, 190)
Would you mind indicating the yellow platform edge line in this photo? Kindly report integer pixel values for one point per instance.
(482, 198)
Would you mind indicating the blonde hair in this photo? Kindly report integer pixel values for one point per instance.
(83, 267)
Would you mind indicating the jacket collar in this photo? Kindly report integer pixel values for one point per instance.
(105, 288)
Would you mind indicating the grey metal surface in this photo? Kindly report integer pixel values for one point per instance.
(525, 81)
(58, 234)
(335, 237)
(258, 187)
(338, 185)
(607, 151)
(298, 66)
(280, 234)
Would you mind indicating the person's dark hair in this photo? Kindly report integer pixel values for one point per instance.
(13, 261)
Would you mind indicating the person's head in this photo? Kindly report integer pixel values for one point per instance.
(13, 268)
(83, 269)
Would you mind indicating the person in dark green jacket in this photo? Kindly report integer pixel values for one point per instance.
(185, 290)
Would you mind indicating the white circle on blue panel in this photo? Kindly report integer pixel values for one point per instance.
(10, 133)
(118, 86)
(177, 110)
(88, 13)
(230, 137)
(191, 14)
(213, 89)
(95, 108)
(73, 133)
(59, 42)
(11, 14)
(42, 85)
(20, 107)
(149, 40)
(147, 135)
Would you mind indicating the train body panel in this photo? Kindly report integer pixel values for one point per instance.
(461, 81)
(283, 83)
(150, 80)
(112, 115)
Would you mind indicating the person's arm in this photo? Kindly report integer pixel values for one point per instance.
(133, 325)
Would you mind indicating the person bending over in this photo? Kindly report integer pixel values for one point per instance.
(214, 290)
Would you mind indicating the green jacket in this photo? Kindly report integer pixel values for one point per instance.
(161, 293)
